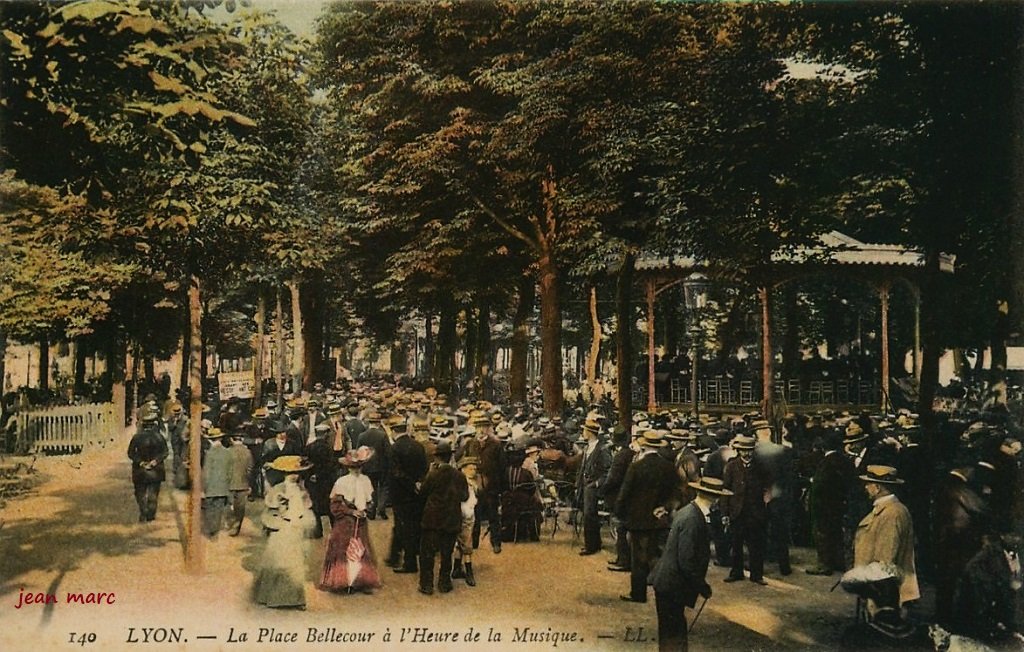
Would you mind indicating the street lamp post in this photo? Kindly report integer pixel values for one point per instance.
(695, 293)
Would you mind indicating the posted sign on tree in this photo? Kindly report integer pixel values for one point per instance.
(236, 383)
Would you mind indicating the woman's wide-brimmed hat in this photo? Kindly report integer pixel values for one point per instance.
(290, 464)
(357, 457)
(881, 475)
(711, 486)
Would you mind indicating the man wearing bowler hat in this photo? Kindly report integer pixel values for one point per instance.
(679, 576)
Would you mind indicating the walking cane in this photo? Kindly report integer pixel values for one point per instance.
(694, 623)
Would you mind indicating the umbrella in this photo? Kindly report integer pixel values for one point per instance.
(354, 555)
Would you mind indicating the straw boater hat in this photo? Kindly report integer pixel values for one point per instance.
(532, 449)
(214, 433)
(592, 426)
(678, 434)
(357, 457)
(469, 459)
(653, 439)
(744, 443)
(881, 475)
(854, 433)
(711, 486)
(478, 418)
(290, 464)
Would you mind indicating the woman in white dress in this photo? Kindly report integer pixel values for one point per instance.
(289, 518)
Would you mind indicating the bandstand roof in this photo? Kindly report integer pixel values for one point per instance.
(834, 248)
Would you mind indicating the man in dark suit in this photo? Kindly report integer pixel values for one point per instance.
(493, 476)
(747, 509)
(307, 424)
(777, 461)
(829, 490)
(377, 467)
(591, 475)
(610, 492)
(354, 427)
(443, 491)
(147, 450)
(643, 504)
(408, 468)
(321, 479)
(679, 576)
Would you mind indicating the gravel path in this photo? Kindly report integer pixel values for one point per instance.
(77, 533)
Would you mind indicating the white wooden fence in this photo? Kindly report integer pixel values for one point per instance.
(68, 428)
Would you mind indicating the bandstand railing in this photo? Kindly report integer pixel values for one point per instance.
(723, 391)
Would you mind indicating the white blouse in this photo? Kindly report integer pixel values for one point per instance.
(356, 489)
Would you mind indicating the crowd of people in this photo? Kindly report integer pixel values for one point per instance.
(877, 497)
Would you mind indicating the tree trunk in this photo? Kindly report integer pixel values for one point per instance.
(149, 370)
(470, 344)
(997, 366)
(282, 358)
(115, 371)
(550, 334)
(595, 339)
(791, 333)
(312, 333)
(428, 345)
(399, 362)
(767, 376)
(261, 318)
(521, 339)
(44, 363)
(931, 351)
(81, 352)
(298, 345)
(444, 366)
(484, 355)
(624, 343)
(204, 363)
(671, 318)
(652, 399)
(134, 409)
(193, 515)
(186, 361)
(3, 362)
